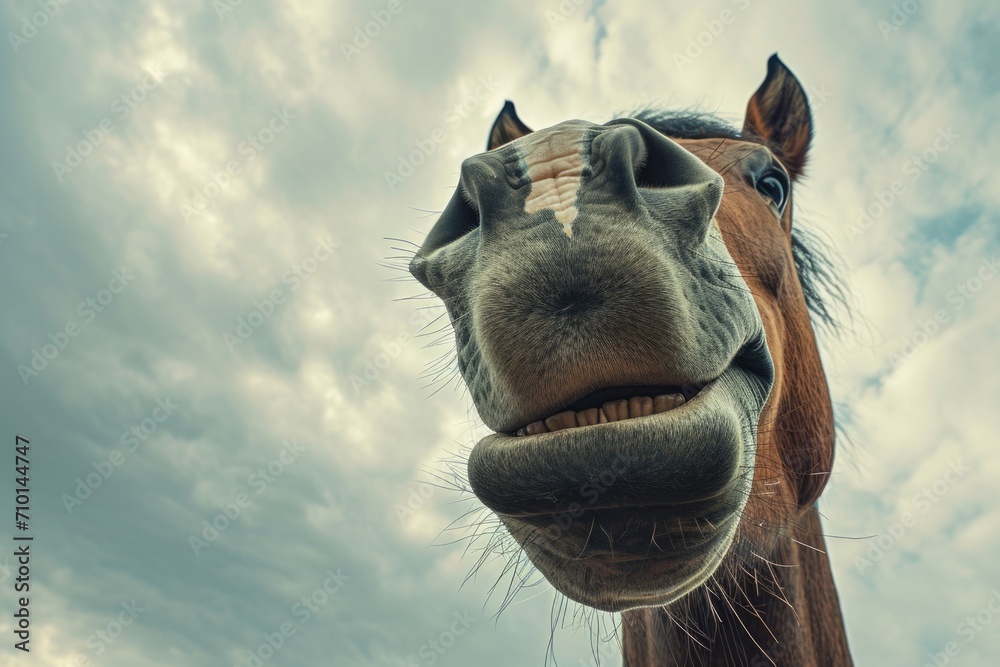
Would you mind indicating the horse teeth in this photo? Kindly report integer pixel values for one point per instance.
(612, 411)
(586, 417)
(535, 428)
(645, 405)
(635, 406)
(665, 402)
(562, 420)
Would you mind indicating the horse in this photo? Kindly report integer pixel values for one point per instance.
(633, 315)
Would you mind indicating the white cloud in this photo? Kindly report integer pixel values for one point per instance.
(367, 450)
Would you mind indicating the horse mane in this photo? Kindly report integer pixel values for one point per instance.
(821, 284)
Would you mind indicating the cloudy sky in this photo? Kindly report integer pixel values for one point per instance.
(198, 321)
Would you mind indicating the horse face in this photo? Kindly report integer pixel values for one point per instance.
(619, 300)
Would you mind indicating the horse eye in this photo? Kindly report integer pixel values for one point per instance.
(774, 186)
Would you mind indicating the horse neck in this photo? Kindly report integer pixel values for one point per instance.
(751, 626)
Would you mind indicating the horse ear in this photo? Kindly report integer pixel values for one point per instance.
(507, 127)
(779, 114)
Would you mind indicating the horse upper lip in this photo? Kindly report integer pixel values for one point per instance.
(605, 405)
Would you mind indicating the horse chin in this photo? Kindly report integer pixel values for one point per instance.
(637, 512)
(629, 579)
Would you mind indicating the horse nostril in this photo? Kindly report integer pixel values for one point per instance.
(460, 217)
(659, 168)
(652, 159)
(480, 175)
(619, 152)
(670, 165)
(467, 214)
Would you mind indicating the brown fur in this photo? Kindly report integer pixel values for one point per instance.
(782, 592)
